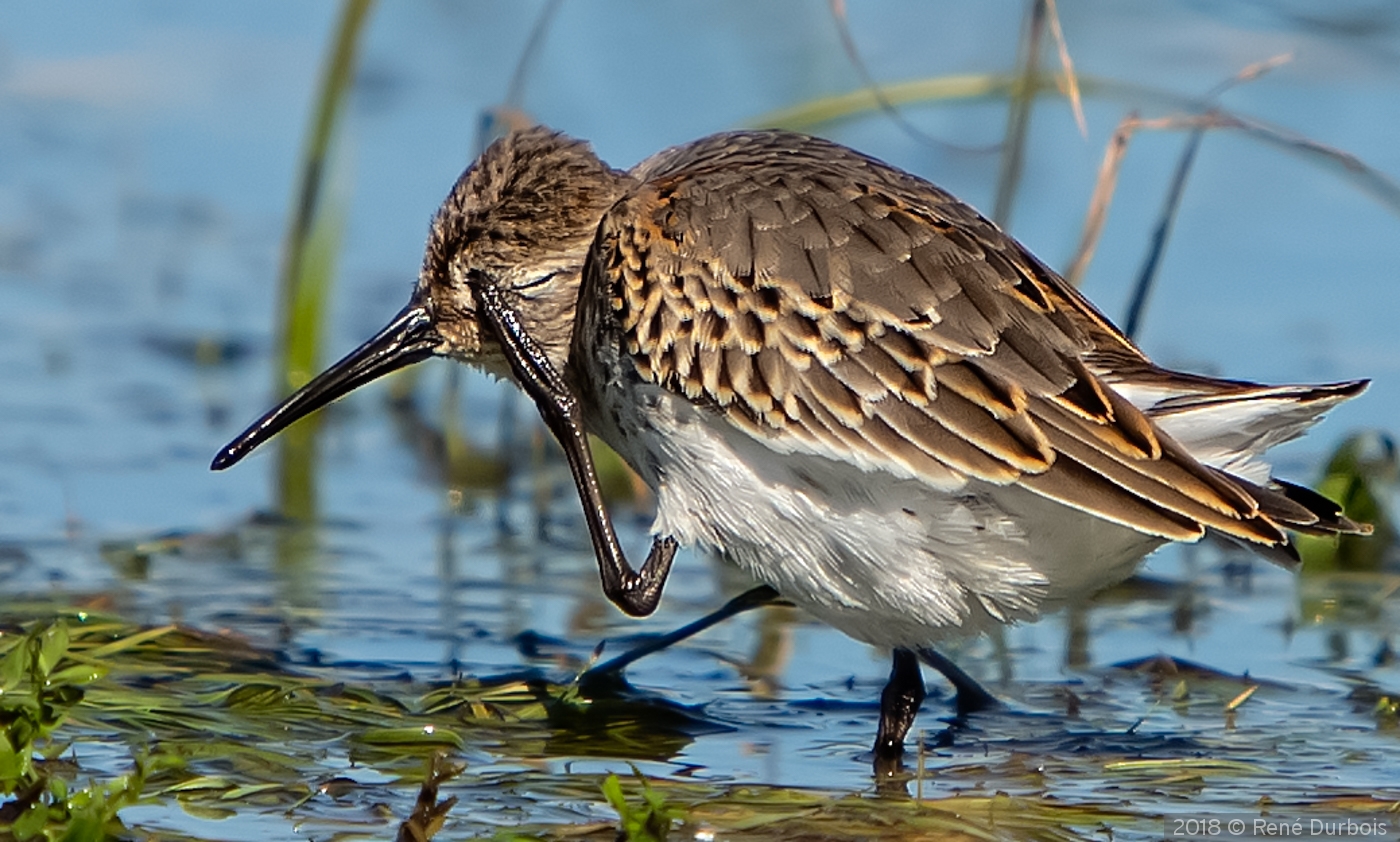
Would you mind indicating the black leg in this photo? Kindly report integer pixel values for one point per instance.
(899, 703)
(971, 696)
(749, 599)
(635, 592)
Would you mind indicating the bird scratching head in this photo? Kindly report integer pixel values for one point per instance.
(520, 220)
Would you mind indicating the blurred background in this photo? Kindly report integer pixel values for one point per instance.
(153, 157)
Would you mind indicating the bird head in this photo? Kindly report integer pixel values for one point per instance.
(521, 220)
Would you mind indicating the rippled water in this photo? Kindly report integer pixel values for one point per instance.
(147, 154)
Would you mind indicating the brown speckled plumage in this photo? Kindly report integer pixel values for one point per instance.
(805, 291)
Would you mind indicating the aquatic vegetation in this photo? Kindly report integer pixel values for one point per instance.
(211, 727)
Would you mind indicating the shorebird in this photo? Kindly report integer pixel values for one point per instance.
(840, 378)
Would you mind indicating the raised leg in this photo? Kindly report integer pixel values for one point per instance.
(971, 697)
(749, 599)
(635, 592)
(899, 703)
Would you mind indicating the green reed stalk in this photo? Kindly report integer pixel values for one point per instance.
(308, 262)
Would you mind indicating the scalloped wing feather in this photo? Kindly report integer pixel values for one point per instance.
(824, 302)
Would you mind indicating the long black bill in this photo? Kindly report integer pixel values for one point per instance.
(408, 339)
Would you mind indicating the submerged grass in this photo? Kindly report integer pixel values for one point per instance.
(214, 725)
(211, 726)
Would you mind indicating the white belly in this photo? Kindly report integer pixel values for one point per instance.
(889, 561)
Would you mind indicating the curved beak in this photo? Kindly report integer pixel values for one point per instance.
(408, 339)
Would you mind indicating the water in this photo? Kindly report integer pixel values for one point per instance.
(147, 152)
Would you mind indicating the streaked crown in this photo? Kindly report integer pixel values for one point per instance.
(521, 218)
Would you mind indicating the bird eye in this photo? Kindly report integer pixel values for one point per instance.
(537, 282)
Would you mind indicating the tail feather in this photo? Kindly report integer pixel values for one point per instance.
(1330, 521)
(1231, 430)
(1297, 509)
(1229, 425)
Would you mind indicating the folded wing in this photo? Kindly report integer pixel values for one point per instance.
(824, 302)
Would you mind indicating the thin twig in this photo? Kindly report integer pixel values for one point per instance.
(750, 599)
(1067, 66)
(1104, 188)
(1376, 184)
(1147, 275)
(1160, 235)
(848, 43)
(1018, 118)
(1234, 704)
(510, 115)
(515, 92)
(1249, 73)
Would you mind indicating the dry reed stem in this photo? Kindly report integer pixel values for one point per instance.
(1372, 181)
(1071, 81)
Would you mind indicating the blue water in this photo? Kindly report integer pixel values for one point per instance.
(147, 153)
